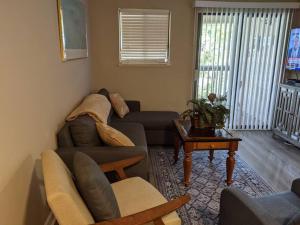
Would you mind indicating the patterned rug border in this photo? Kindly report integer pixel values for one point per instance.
(173, 187)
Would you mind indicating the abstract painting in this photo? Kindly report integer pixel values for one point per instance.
(73, 29)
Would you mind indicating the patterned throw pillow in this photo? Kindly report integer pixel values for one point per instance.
(112, 136)
(119, 104)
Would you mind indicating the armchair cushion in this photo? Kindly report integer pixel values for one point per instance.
(135, 195)
(281, 207)
(62, 195)
(237, 208)
(295, 220)
(95, 188)
(84, 132)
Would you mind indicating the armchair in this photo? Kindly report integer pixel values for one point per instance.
(147, 205)
(237, 208)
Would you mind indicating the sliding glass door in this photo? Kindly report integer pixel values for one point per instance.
(240, 55)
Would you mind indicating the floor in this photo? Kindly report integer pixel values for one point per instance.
(274, 160)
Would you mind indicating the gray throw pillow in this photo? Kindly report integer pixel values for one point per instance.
(84, 132)
(295, 220)
(95, 188)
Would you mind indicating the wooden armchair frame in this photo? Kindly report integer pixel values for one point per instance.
(154, 214)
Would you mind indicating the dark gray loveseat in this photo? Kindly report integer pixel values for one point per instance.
(278, 209)
(142, 128)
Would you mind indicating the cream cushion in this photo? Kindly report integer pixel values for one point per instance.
(95, 105)
(135, 195)
(119, 104)
(62, 195)
(112, 136)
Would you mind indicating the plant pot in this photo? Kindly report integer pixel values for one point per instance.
(200, 130)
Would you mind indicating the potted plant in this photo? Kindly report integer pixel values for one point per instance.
(207, 114)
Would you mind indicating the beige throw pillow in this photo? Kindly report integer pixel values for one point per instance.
(119, 104)
(95, 105)
(112, 136)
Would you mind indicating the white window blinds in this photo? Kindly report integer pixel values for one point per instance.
(144, 36)
(240, 55)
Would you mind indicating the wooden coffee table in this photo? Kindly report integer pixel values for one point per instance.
(223, 140)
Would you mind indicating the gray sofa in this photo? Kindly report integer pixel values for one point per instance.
(143, 128)
(237, 208)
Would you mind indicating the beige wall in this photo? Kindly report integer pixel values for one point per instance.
(158, 87)
(37, 91)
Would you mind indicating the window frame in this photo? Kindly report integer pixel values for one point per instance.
(146, 62)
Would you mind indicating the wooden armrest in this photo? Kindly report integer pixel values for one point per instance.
(119, 166)
(153, 214)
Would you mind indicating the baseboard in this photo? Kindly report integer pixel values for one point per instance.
(50, 219)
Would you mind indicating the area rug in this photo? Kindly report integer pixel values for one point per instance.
(207, 182)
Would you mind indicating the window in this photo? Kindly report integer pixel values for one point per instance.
(144, 36)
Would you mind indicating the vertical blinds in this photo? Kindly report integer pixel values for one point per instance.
(241, 54)
(144, 36)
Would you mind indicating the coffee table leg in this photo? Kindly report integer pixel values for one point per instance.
(187, 163)
(230, 162)
(211, 155)
(177, 146)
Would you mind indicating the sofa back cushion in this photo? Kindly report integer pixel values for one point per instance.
(64, 138)
(84, 132)
(95, 188)
(62, 195)
(94, 105)
(105, 92)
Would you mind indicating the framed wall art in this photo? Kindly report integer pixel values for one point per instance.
(72, 29)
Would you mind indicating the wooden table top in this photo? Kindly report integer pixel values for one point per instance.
(221, 135)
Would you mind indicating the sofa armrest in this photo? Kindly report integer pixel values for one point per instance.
(238, 208)
(296, 187)
(106, 154)
(134, 106)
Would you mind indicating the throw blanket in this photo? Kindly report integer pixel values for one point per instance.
(95, 105)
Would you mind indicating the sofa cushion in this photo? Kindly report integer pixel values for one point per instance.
(84, 132)
(152, 120)
(282, 207)
(94, 105)
(134, 131)
(135, 195)
(95, 188)
(105, 92)
(119, 104)
(112, 136)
